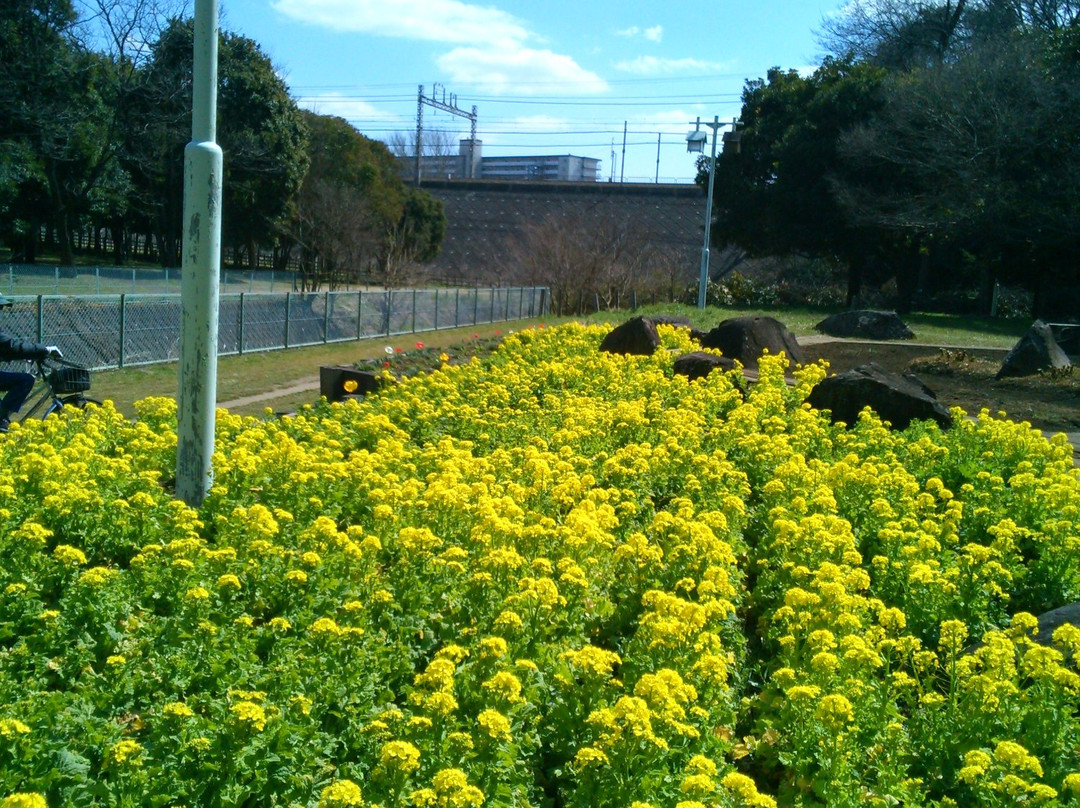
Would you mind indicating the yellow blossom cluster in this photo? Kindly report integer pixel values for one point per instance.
(557, 575)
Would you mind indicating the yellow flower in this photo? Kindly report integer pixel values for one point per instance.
(400, 756)
(494, 724)
(697, 785)
(249, 713)
(228, 581)
(177, 709)
(124, 751)
(95, 576)
(1016, 757)
(745, 791)
(834, 711)
(506, 686)
(66, 554)
(324, 626)
(197, 593)
(453, 789)
(1071, 783)
(590, 756)
(25, 800)
(342, 794)
(10, 727)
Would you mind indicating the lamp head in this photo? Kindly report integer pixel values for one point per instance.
(695, 141)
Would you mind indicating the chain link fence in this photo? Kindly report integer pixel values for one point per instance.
(110, 331)
(35, 279)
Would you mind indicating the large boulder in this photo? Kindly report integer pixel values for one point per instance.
(636, 336)
(676, 320)
(1051, 621)
(699, 363)
(747, 338)
(1036, 351)
(865, 324)
(896, 399)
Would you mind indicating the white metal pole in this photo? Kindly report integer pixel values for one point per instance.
(201, 265)
(703, 281)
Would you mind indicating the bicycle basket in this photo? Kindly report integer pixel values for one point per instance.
(70, 379)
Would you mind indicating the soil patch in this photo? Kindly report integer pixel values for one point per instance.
(964, 377)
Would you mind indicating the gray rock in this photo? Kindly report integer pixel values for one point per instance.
(676, 320)
(698, 364)
(637, 337)
(866, 324)
(1036, 351)
(1055, 618)
(896, 399)
(747, 338)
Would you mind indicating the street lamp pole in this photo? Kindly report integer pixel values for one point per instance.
(695, 142)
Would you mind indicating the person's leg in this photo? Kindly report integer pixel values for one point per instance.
(18, 386)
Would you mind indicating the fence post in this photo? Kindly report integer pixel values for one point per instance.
(326, 317)
(359, 312)
(414, 310)
(389, 309)
(506, 308)
(521, 300)
(56, 280)
(123, 329)
(436, 309)
(491, 318)
(40, 319)
(288, 314)
(457, 303)
(475, 303)
(240, 328)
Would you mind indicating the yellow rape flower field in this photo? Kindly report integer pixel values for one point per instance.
(555, 577)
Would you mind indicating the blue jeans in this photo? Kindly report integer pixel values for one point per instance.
(18, 386)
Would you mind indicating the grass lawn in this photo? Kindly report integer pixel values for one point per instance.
(243, 376)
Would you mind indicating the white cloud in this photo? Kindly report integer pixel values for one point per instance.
(654, 66)
(511, 68)
(653, 34)
(434, 20)
(351, 109)
(491, 50)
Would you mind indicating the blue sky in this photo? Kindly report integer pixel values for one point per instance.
(547, 77)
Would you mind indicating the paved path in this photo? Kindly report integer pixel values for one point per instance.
(300, 386)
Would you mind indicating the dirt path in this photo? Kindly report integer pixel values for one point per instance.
(301, 386)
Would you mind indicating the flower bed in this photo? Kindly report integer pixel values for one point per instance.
(554, 577)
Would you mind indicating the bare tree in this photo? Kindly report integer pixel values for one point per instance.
(439, 146)
(598, 257)
(895, 33)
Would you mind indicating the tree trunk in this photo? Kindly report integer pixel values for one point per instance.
(1038, 300)
(118, 232)
(854, 284)
(986, 286)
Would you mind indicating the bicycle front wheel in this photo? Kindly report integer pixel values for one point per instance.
(77, 400)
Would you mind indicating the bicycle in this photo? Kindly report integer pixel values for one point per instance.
(59, 383)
